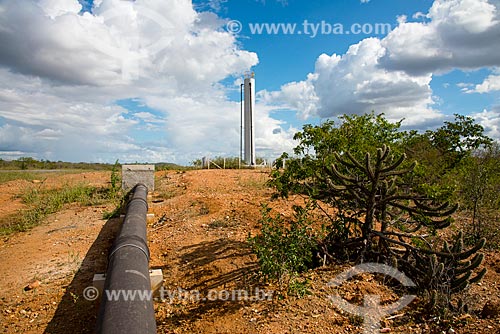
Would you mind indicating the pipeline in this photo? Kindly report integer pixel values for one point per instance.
(127, 304)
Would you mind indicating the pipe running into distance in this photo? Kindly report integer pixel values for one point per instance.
(127, 303)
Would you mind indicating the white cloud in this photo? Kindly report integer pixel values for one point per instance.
(355, 83)
(419, 16)
(393, 74)
(490, 120)
(473, 16)
(460, 34)
(41, 123)
(62, 73)
(491, 83)
(148, 117)
(123, 41)
(220, 5)
(55, 8)
(402, 19)
(294, 95)
(212, 127)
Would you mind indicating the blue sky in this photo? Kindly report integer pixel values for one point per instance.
(159, 80)
(286, 58)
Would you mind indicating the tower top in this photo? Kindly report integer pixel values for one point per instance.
(249, 75)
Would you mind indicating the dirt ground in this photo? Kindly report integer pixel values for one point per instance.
(197, 236)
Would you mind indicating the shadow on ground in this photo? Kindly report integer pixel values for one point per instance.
(74, 314)
(219, 266)
(202, 258)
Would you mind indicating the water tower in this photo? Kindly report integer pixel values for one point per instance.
(249, 119)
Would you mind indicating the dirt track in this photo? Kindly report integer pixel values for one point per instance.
(198, 238)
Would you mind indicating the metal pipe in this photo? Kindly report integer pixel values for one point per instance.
(127, 302)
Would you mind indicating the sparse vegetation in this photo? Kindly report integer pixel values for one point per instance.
(41, 202)
(285, 249)
(225, 163)
(29, 163)
(6, 176)
(391, 192)
(115, 178)
(252, 183)
(208, 252)
(11, 175)
(389, 222)
(478, 193)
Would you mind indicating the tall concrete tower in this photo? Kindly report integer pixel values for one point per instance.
(249, 89)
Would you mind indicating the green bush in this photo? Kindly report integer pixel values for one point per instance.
(115, 178)
(284, 248)
(478, 189)
(389, 209)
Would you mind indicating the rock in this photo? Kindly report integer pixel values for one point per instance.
(490, 310)
(32, 285)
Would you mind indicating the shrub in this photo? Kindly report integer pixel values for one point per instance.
(115, 178)
(284, 248)
(42, 203)
(389, 209)
(479, 186)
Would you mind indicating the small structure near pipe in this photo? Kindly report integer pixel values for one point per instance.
(134, 174)
(127, 299)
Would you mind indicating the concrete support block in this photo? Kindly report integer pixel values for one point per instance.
(98, 282)
(133, 174)
(155, 276)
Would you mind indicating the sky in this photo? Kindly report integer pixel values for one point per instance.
(159, 80)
